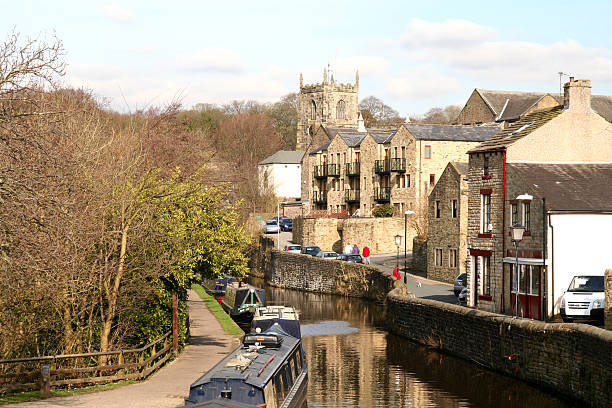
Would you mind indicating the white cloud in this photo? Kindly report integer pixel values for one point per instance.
(212, 60)
(367, 65)
(118, 13)
(422, 82)
(472, 50)
(448, 34)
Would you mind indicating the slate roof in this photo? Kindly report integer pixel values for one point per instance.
(333, 131)
(462, 168)
(352, 139)
(321, 148)
(518, 130)
(284, 157)
(382, 135)
(568, 187)
(454, 133)
(520, 102)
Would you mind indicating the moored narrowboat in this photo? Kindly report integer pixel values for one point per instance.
(286, 316)
(217, 287)
(241, 300)
(268, 370)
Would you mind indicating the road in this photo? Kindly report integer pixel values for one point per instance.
(416, 282)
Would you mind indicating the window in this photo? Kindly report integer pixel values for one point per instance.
(313, 110)
(526, 216)
(534, 280)
(432, 179)
(398, 182)
(437, 208)
(438, 257)
(428, 152)
(340, 112)
(486, 275)
(403, 152)
(407, 180)
(485, 213)
(514, 214)
(454, 208)
(485, 165)
(452, 258)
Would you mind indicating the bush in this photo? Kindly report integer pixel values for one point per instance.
(383, 211)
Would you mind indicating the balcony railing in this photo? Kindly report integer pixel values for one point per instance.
(382, 195)
(319, 197)
(382, 167)
(320, 171)
(351, 196)
(398, 165)
(352, 169)
(333, 170)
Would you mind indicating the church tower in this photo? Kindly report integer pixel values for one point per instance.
(328, 103)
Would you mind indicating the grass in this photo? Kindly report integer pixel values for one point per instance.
(229, 326)
(36, 395)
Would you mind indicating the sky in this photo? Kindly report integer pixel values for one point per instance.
(412, 55)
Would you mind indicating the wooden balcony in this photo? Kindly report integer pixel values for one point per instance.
(382, 167)
(398, 165)
(352, 169)
(382, 195)
(320, 171)
(351, 196)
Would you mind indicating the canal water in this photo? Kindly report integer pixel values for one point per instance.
(354, 362)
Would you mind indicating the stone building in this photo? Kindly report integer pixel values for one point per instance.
(548, 171)
(447, 225)
(505, 107)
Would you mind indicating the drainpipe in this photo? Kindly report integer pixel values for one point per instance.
(544, 232)
(503, 297)
(552, 264)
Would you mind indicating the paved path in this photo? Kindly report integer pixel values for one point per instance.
(169, 386)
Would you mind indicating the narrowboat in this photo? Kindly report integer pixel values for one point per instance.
(241, 300)
(217, 287)
(286, 316)
(267, 370)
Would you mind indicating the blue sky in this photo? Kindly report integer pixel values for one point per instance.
(413, 55)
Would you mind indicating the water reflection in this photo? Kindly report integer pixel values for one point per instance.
(372, 368)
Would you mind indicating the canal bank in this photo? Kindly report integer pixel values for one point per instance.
(572, 360)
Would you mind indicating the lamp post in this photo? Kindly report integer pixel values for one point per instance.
(517, 236)
(406, 214)
(398, 241)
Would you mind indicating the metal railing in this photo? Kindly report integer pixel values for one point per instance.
(382, 167)
(333, 170)
(351, 196)
(398, 165)
(382, 195)
(320, 171)
(319, 197)
(27, 374)
(352, 169)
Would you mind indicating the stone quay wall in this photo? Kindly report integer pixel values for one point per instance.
(572, 359)
(608, 300)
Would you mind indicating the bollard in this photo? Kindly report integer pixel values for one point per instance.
(45, 380)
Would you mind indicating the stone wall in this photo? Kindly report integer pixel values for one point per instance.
(308, 273)
(608, 301)
(419, 255)
(572, 359)
(332, 234)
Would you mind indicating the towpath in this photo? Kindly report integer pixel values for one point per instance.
(170, 385)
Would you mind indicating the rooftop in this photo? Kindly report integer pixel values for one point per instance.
(284, 157)
(456, 133)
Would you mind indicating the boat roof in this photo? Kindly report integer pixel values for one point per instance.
(233, 365)
(221, 403)
(276, 312)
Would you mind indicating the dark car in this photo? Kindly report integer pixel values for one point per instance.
(312, 250)
(286, 224)
(356, 258)
(462, 298)
(460, 283)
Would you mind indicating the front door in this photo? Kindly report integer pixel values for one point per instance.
(526, 291)
(476, 272)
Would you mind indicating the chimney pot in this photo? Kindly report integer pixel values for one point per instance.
(571, 79)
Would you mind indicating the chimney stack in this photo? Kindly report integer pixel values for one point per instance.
(577, 95)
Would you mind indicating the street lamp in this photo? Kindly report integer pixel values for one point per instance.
(517, 236)
(398, 241)
(406, 214)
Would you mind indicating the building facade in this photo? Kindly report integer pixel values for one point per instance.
(278, 174)
(499, 197)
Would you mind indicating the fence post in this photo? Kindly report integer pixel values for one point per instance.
(45, 380)
(175, 324)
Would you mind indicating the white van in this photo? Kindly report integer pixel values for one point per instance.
(584, 299)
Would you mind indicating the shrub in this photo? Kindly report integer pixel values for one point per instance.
(383, 211)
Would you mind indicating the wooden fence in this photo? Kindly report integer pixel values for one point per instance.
(27, 374)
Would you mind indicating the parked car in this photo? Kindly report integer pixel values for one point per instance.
(462, 298)
(460, 283)
(584, 299)
(286, 224)
(293, 248)
(350, 258)
(271, 227)
(327, 254)
(311, 250)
